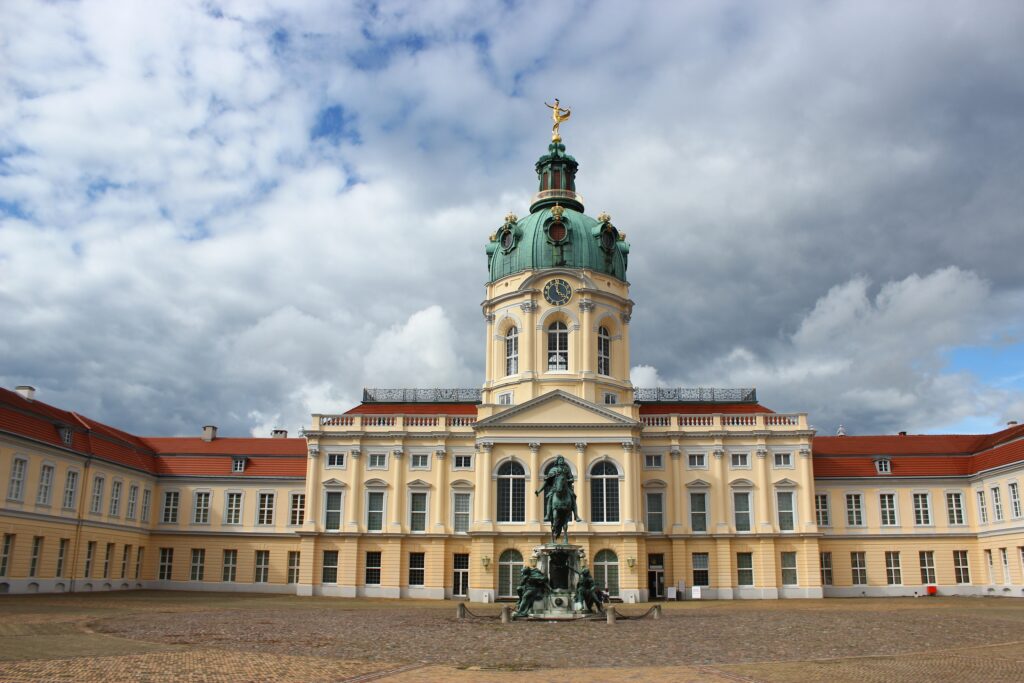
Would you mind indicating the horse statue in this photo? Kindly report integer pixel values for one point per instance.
(559, 500)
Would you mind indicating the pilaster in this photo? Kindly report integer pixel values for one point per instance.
(355, 500)
(441, 494)
(396, 501)
(534, 502)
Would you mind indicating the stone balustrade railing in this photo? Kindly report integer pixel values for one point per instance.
(413, 422)
(725, 421)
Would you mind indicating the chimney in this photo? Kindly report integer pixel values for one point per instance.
(279, 433)
(26, 392)
(209, 432)
(841, 431)
(1011, 423)
(903, 433)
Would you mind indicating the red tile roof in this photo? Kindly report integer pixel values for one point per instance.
(220, 465)
(193, 445)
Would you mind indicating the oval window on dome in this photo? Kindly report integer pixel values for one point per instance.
(556, 231)
(507, 239)
(607, 240)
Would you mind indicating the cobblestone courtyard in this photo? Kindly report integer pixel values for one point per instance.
(152, 636)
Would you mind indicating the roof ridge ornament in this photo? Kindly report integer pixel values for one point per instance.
(558, 115)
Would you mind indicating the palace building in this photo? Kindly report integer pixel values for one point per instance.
(430, 493)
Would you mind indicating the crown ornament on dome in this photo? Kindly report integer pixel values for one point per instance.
(557, 210)
(604, 217)
(511, 218)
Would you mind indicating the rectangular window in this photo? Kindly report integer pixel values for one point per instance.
(859, 568)
(604, 352)
(655, 513)
(652, 461)
(740, 460)
(698, 512)
(147, 497)
(125, 556)
(166, 564)
(982, 508)
(378, 461)
(230, 571)
(293, 566)
(62, 554)
(45, 485)
(821, 510)
(887, 508)
(198, 564)
(922, 509)
(460, 511)
(893, 574)
(373, 568)
(37, 550)
(108, 556)
(505, 398)
(701, 569)
(375, 511)
(417, 568)
(170, 507)
(997, 503)
(1006, 565)
(696, 461)
(512, 352)
(133, 502)
(329, 572)
(298, 510)
(90, 553)
(788, 562)
(16, 487)
(5, 553)
(927, 559)
(70, 489)
(854, 509)
(265, 509)
(97, 496)
(741, 510)
(610, 398)
(233, 508)
(138, 561)
(335, 459)
(332, 511)
(955, 508)
(420, 461)
(1014, 499)
(784, 505)
(201, 508)
(115, 499)
(463, 462)
(744, 569)
(961, 567)
(238, 465)
(262, 574)
(418, 511)
(783, 460)
(825, 560)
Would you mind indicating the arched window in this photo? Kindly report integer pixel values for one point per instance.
(558, 346)
(604, 492)
(606, 572)
(512, 351)
(511, 492)
(510, 564)
(604, 351)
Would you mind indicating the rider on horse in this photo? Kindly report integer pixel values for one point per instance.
(559, 469)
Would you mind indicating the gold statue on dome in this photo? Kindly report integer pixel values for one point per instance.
(558, 115)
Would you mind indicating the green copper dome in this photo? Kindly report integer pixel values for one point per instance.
(557, 234)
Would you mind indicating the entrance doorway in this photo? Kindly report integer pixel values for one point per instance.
(460, 580)
(656, 576)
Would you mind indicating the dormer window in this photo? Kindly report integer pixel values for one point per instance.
(238, 464)
(883, 466)
(65, 435)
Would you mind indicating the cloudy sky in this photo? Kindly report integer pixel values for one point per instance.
(240, 213)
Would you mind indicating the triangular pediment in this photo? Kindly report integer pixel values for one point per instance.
(333, 483)
(556, 409)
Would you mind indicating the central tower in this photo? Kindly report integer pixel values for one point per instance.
(557, 304)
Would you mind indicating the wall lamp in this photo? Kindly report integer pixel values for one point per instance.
(631, 561)
(485, 561)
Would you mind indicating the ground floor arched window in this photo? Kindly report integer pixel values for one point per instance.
(510, 564)
(606, 572)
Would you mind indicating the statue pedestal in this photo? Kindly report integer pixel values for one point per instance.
(561, 564)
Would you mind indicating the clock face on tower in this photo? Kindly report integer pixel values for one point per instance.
(557, 292)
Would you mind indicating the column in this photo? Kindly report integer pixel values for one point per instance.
(441, 493)
(527, 341)
(628, 501)
(355, 497)
(763, 492)
(489, 349)
(484, 485)
(673, 509)
(588, 356)
(805, 505)
(535, 503)
(720, 495)
(397, 499)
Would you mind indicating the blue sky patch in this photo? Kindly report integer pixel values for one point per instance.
(335, 125)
